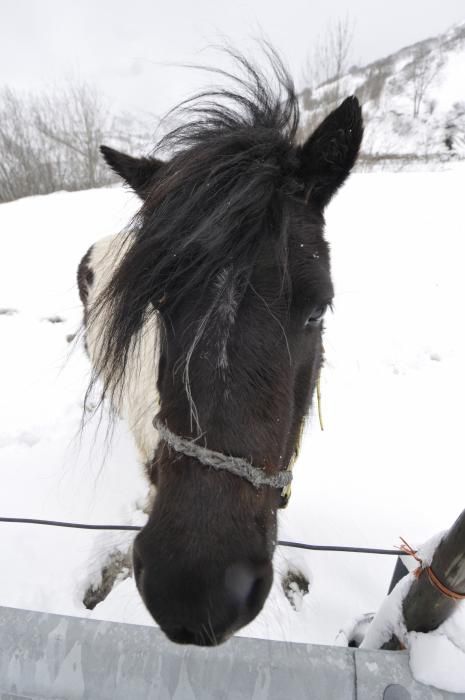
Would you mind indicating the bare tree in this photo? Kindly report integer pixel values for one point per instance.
(420, 73)
(330, 58)
(76, 121)
(328, 63)
(51, 141)
(454, 130)
(24, 154)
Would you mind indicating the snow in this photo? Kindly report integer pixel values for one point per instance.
(389, 620)
(448, 89)
(436, 660)
(425, 552)
(391, 398)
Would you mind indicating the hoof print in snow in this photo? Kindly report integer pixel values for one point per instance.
(8, 312)
(116, 568)
(70, 337)
(54, 319)
(295, 585)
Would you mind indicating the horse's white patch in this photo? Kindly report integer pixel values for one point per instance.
(139, 401)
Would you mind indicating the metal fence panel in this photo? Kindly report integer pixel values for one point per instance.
(45, 657)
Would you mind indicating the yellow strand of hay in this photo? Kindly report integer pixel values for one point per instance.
(286, 492)
(318, 397)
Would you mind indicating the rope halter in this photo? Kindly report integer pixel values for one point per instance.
(235, 465)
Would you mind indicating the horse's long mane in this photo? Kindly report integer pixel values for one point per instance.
(210, 207)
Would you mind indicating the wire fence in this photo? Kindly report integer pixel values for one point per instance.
(137, 528)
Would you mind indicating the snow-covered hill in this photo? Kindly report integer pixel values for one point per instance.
(389, 463)
(413, 100)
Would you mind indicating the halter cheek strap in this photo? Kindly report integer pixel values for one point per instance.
(235, 465)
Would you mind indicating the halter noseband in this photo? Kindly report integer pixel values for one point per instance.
(235, 465)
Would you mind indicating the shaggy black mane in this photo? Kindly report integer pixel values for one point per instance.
(210, 208)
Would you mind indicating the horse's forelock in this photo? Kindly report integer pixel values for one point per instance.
(206, 216)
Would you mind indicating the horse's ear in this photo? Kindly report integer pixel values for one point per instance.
(137, 172)
(328, 155)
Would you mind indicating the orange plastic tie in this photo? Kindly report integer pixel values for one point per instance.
(433, 579)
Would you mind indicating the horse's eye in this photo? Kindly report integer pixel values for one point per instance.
(316, 316)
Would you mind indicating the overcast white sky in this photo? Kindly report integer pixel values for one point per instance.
(122, 45)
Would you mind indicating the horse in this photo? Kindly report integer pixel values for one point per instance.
(203, 322)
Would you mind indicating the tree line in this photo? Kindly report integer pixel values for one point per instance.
(50, 141)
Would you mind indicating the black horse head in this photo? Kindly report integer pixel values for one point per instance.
(228, 254)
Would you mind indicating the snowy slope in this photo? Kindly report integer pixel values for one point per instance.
(389, 462)
(386, 89)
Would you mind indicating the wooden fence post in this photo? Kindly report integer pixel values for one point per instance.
(425, 607)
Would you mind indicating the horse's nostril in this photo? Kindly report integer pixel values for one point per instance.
(258, 591)
(245, 586)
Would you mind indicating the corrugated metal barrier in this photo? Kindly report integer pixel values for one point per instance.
(45, 656)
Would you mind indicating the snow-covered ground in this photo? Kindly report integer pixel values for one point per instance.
(389, 462)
